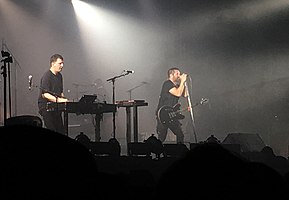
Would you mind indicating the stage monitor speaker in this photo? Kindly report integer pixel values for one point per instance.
(105, 148)
(30, 120)
(175, 150)
(138, 149)
(249, 142)
(234, 148)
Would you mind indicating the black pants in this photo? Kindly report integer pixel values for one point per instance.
(53, 120)
(175, 127)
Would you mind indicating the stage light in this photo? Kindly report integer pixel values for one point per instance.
(5, 53)
(86, 12)
(212, 139)
(7, 60)
(155, 145)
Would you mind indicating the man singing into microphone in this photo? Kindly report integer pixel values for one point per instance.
(51, 90)
(167, 110)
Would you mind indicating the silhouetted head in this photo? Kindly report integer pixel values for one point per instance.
(42, 164)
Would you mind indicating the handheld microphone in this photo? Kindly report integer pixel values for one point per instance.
(30, 81)
(129, 71)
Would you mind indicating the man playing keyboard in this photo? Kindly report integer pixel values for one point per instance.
(51, 90)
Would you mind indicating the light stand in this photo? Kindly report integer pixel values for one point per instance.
(7, 60)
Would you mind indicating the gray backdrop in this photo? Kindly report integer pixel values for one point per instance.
(236, 53)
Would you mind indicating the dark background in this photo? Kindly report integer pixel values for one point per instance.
(236, 53)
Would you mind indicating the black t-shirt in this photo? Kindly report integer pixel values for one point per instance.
(166, 98)
(50, 83)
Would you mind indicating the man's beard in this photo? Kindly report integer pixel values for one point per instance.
(178, 82)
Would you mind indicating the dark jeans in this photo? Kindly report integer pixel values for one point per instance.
(176, 128)
(53, 120)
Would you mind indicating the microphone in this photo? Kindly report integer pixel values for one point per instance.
(30, 81)
(128, 71)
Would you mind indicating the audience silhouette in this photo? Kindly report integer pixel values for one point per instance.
(210, 171)
(37, 163)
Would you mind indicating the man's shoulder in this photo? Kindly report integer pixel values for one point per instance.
(168, 84)
(47, 73)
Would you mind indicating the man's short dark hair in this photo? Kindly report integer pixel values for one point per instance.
(54, 58)
(172, 70)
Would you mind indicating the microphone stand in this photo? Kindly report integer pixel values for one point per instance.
(113, 97)
(130, 90)
(191, 112)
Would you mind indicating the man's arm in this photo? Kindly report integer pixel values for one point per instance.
(53, 98)
(180, 91)
(185, 92)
